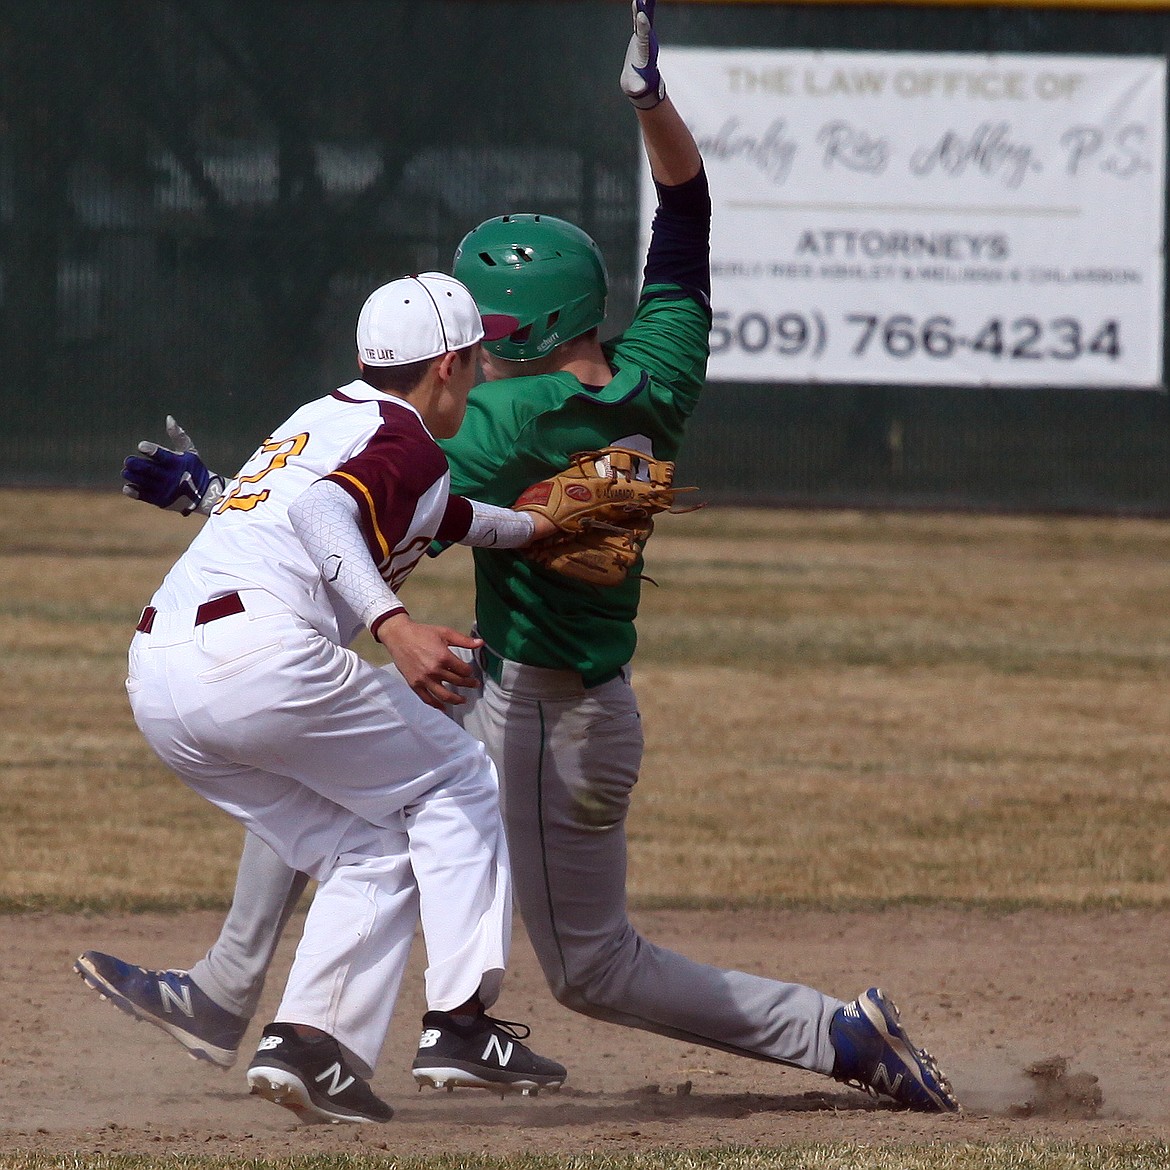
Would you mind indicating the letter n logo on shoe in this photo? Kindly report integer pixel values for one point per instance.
(181, 998)
(503, 1055)
(336, 1084)
(881, 1080)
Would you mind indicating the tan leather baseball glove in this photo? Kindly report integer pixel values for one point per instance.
(603, 505)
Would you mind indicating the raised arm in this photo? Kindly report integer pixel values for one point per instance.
(670, 146)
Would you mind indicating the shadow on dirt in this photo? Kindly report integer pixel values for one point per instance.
(647, 1103)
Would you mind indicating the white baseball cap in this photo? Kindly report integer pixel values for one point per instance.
(419, 317)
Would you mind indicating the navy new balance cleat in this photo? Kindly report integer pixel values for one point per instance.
(170, 1001)
(312, 1078)
(874, 1053)
(481, 1054)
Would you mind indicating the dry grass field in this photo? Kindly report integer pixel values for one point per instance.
(948, 733)
(841, 708)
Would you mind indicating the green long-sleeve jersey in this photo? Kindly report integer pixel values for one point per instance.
(521, 430)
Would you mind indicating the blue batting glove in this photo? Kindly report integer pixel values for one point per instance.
(641, 82)
(177, 480)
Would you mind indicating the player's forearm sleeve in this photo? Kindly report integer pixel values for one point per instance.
(493, 527)
(325, 519)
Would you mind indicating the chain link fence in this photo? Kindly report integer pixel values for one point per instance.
(197, 196)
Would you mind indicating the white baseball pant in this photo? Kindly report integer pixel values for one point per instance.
(348, 776)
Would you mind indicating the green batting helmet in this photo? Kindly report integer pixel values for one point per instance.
(545, 274)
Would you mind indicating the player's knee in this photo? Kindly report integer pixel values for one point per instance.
(591, 999)
(570, 997)
(596, 999)
(593, 982)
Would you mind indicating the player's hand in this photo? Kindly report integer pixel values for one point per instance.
(174, 479)
(423, 656)
(640, 81)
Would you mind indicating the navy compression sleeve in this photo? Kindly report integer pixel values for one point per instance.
(680, 240)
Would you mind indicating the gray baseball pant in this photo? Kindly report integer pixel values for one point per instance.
(568, 758)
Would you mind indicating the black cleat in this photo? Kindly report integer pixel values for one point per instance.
(481, 1054)
(312, 1078)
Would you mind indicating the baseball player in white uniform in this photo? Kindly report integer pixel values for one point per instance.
(240, 680)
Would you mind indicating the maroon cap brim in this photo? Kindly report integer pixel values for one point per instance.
(498, 325)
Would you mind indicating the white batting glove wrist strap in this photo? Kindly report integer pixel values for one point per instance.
(214, 493)
(650, 99)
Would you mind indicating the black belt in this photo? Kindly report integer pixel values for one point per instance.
(209, 611)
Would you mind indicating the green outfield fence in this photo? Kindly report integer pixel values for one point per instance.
(196, 196)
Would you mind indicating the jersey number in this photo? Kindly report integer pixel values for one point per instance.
(413, 552)
(280, 452)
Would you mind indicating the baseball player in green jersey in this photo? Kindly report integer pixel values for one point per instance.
(556, 708)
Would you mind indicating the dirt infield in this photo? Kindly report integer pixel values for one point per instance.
(1077, 999)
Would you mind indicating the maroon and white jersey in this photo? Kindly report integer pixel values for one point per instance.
(374, 446)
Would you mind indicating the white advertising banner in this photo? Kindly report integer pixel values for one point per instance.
(930, 218)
